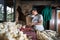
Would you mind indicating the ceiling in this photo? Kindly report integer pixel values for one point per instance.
(37, 0)
(10, 2)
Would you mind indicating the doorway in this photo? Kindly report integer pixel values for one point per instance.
(39, 9)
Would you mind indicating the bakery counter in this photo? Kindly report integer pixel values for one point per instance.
(11, 31)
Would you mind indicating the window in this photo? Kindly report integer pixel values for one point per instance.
(10, 13)
(7, 10)
(2, 10)
(10, 10)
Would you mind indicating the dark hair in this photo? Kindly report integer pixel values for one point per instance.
(33, 9)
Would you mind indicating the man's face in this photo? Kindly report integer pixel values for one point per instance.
(34, 12)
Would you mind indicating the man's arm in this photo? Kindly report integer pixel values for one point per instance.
(40, 21)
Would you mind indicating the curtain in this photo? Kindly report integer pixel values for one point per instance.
(47, 13)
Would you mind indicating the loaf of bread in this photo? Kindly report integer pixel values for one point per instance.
(43, 35)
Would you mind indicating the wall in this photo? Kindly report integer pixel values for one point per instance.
(16, 15)
(52, 21)
(58, 19)
(25, 9)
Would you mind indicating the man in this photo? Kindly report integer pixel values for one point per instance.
(37, 20)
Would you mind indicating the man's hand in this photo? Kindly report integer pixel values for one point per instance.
(31, 24)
